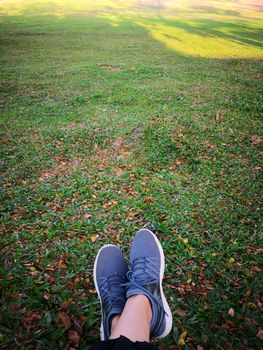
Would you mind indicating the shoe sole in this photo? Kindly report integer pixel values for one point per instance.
(102, 335)
(168, 313)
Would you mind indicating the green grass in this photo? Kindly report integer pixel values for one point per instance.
(112, 113)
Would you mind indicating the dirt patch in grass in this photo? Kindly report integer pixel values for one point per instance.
(74, 126)
(112, 157)
(115, 157)
(110, 68)
(63, 168)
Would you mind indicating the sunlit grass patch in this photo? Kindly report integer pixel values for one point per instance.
(189, 40)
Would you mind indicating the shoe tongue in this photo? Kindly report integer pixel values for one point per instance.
(140, 274)
(115, 283)
(115, 289)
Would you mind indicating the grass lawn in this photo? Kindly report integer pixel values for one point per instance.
(117, 115)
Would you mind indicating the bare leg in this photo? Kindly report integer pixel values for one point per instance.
(134, 322)
(115, 321)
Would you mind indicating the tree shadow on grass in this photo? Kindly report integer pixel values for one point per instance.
(229, 30)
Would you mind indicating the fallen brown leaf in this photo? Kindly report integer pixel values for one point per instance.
(219, 117)
(63, 320)
(248, 293)
(148, 200)
(256, 140)
(230, 263)
(30, 318)
(260, 334)
(199, 347)
(230, 323)
(62, 265)
(74, 337)
(93, 238)
(46, 296)
(181, 312)
(87, 216)
(65, 304)
(250, 321)
(169, 347)
(92, 291)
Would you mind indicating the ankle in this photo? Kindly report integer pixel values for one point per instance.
(114, 322)
(143, 302)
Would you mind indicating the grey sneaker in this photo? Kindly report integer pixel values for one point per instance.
(109, 275)
(145, 277)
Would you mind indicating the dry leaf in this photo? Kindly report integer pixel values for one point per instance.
(260, 334)
(30, 318)
(74, 337)
(250, 321)
(107, 205)
(219, 117)
(123, 153)
(87, 216)
(199, 347)
(148, 200)
(87, 280)
(62, 265)
(65, 304)
(33, 271)
(256, 269)
(230, 263)
(46, 296)
(252, 306)
(64, 320)
(231, 312)
(181, 312)
(82, 319)
(181, 340)
(93, 238)
(50, 268)
(256, 140)
(230, 324)
(118, 142)
(77, 279)
(92, 291)
(189, 279)
(184, 240)
(50, 279)
(248, 293)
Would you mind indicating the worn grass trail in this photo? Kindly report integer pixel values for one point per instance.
(109, 124)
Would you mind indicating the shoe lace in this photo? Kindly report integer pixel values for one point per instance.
(112, 290)
(144, 271)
